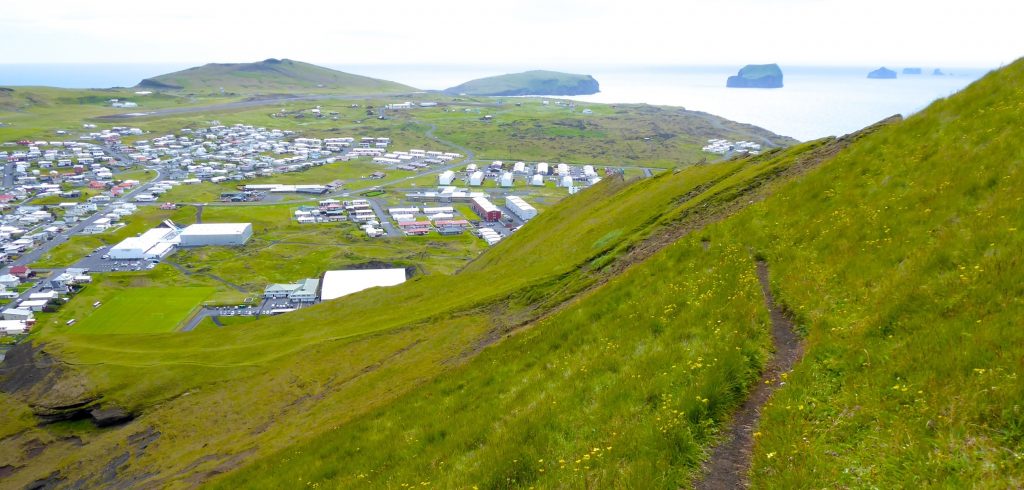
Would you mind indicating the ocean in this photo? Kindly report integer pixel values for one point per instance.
(815, 102)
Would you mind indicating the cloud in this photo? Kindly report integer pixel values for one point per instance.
(869, 32)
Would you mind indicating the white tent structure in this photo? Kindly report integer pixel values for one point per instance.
(341, 283)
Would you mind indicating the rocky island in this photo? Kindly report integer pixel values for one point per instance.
(911, 71)
(757, 76)
(535, 82)
(938, 73)
(882, 73)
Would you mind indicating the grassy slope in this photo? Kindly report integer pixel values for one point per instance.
(276, 76)
(537, 82)
(868, 251)
(260, 375)
(622, 390)
(614, 135)
(901, 258)
(37, 112)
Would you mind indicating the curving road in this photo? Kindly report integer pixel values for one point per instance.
(242, 104)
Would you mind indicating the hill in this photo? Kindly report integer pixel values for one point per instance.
(608, 343)
(757, 76)
(269, 76)
(536, 82)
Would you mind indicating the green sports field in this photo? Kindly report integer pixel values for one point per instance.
(144, 310)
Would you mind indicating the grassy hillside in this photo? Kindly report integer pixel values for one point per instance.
(269, 76)
(903, 259)
(40, 112)
(535, 82)
(292, 377)
(607, 343)
(900, 258)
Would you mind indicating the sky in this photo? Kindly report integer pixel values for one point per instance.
(545, 33)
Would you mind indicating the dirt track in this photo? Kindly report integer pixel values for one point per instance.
(730, 461)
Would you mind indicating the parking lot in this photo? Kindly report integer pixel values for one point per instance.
(263, 307)
(94, 262)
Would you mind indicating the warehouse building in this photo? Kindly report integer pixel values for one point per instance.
(485, 209)
(446, 177)
(199, 235)
(156, 243)
(517, 206)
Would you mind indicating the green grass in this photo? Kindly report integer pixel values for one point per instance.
(38, 112)
(410, 341)
(108, 286)
(528, 83)
(143, 310)
(578, 400)
(624, 134)
(273, 76)
(890, 392)
(902, 260)
(17, 416)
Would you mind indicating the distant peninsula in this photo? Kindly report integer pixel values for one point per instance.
(911, 71)
(757, 76)
(269, 76)
(536, 82)
(882, 73)
(938, 73)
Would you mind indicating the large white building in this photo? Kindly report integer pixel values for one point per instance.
(156, 243)
(199, 235)
(520, 208)
(446, 177)
(340, 283)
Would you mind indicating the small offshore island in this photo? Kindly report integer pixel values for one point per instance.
(534, 82)
(882, 73)
(757, 76)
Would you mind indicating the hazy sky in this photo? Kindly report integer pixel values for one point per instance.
(548, 33)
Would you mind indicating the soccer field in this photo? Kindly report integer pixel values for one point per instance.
(143, 310)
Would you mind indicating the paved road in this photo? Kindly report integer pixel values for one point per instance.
(215, 312)
(383, 217)
(244, 104)
(45, 247)
(9, 175)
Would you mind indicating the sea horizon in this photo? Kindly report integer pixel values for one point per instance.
(816, 101)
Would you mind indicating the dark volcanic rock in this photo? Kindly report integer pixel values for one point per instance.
(108, 417)
(757, 76)
(54, 480)
(882, 73)
(53, 392)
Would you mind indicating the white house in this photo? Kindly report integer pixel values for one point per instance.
(9, 281)
(18, 314)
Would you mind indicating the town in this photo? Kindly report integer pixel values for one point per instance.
(101, 182)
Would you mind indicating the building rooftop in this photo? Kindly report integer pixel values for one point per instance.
(341, 283)
(216, 229)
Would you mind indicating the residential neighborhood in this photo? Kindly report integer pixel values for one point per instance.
(95, 184)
